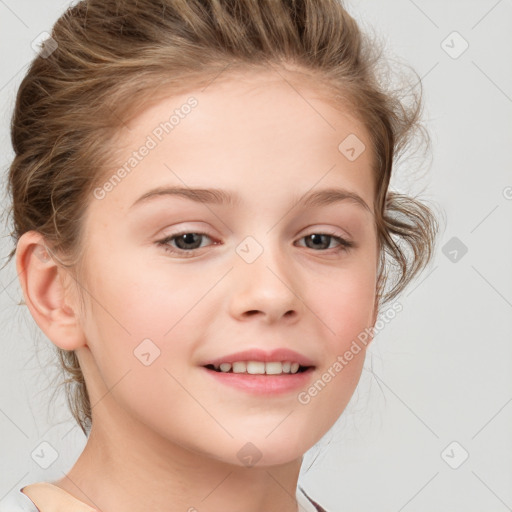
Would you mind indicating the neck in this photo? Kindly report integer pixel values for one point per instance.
(131, 468)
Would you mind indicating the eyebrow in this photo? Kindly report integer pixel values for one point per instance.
(222, 197)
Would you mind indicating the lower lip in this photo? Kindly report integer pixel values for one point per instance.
(263, 384)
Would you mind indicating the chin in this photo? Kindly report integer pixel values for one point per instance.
(274, 450)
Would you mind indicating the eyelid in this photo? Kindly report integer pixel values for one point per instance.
(327, 230)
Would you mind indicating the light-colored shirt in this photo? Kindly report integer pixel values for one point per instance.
(59, 500)
(49, 498)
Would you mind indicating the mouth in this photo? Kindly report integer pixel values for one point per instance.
(260, 372)
(260, 367)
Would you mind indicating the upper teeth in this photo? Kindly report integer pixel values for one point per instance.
(259, 367)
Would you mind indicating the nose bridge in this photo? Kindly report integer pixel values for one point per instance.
(264, 283)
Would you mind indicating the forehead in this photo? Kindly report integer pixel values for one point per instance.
(252, 131)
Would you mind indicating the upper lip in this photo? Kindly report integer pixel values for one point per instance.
(256, 354)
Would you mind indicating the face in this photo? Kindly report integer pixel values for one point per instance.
(177, 280)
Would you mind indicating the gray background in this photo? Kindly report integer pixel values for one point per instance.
(437, 381)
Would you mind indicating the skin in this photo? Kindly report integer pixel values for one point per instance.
(166, 436)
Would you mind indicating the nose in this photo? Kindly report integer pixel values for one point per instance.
(265, 289)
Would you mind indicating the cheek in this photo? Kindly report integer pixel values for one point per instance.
(140, 335)
(345, 305)
(140, 300)
(345, 309)
(144, 325)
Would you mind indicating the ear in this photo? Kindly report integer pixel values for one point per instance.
(43, 283)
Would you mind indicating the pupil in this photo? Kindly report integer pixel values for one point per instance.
(188, 239)
(317, 240)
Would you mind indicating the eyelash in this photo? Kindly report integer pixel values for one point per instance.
(344, 245)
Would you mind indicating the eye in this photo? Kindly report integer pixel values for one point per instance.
(186, 243)
(322, 241)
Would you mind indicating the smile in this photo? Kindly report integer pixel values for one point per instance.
(259, 367)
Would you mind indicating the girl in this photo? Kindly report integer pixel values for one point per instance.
(204, 231)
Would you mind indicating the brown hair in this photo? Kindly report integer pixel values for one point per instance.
(114, 57)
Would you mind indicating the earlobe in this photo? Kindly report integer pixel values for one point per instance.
(42, 282)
